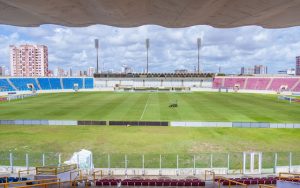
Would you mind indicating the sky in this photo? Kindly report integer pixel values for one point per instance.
(170, 49)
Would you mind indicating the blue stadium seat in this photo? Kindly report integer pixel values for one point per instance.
(69, 83)
(44, 83)
(5, 86)
(89, 83)
(55, 83)
(22, 83)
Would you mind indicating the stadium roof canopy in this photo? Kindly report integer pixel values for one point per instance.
(168, 13)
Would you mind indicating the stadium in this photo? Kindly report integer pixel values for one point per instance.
(151, 129)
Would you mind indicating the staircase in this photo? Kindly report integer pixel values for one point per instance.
(245, 84)
(295, 85)
(38, 84)
(11, 84)
(269, 84)
(223, 81)
(61, 83)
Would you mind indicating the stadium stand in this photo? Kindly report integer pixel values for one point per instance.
(55, 83)
(21, 84)
(5, 86)
(44, 83)
(258, 83)
(69, 83)
(151, 182)
(249, 181)
(12, 179)
(89, 83)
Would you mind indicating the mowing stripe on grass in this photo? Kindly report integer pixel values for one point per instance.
(145, 108)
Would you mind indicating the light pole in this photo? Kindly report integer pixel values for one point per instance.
(97, 47)
(199, 47)
(147, 47)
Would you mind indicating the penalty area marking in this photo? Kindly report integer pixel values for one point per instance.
(145, 108)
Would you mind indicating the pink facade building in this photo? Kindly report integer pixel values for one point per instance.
(29, 60)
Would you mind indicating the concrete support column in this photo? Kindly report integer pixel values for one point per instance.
(11, 162)
(259, 162)
(244, 162)
(160, 165)
(143, 165)
(27, 161)
(290, 162)
(177, 165)
(228, 162)
(125, 158)
(275, 162)
(252, 157)
(194, 172)
(59, 159)
(43, 159)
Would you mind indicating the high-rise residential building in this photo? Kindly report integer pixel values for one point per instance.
(70, 72)
(247, 70)
(29, 60)
(91, 71)
(260, 69)
(298, 65)
(58, 72)
(2, 71)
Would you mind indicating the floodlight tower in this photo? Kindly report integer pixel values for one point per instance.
(147, 47)
(97, 49)
(199, 47)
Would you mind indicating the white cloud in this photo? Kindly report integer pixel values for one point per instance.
(169, 48)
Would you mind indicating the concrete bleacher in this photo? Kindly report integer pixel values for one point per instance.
(45, 83)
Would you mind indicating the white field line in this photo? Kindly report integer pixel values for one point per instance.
(144, 108)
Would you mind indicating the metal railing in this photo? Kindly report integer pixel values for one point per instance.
(266, 186)
(96, 173)
(211, 173)
(8, 184)
(54, 170)
(25, 171)
(230, 182)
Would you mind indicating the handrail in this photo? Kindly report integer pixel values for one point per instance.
(209, 172)
(28, 170)
(230, 181)
(266, 186)
(286, 173)
(54, 170)
(6, 185)
(94, 174)
(45, 185)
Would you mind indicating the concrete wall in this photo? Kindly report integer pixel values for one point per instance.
(235, 124)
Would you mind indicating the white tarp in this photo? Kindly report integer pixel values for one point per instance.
(83, 158)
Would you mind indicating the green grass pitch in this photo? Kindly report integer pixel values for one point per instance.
(200, 106)
(150, 141)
